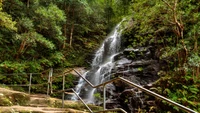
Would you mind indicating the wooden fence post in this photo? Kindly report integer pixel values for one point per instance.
(63, 92)
(29, 89)
(51, 74)
(49, 81)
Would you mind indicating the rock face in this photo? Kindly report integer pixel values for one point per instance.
(138, 65)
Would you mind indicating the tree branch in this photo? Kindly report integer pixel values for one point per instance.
(168, 5)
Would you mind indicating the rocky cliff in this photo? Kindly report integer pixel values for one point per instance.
(141, 66)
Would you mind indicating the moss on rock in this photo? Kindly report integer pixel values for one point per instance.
(9, 97)
(4, 101)
(20, 98)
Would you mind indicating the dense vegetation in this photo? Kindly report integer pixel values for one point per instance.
(172, 26)
(38, 34)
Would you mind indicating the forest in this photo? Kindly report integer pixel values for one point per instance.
(36, 35)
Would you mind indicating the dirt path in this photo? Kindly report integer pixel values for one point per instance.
(34, 109)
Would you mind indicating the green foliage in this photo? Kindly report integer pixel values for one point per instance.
(159, 23)
(194, 60)
(140, 69)
(181, 90)
(33, 33)
(34, 66)
(132, 55)
(15, 67)
(58, 80)
(50, 14)
(6, 20)
(25, 24)
(73, 58)
(42, 40)
(98, 96)
(115, 10)
(69, 81)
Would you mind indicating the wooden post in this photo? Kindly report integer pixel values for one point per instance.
(51, 74)
(63, 92)
(29, 90)
(104, 97)
(48, 83)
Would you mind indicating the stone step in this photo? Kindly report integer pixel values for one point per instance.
(38, 105)
(28, 109)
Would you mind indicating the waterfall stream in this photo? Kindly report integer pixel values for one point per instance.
(101, 67)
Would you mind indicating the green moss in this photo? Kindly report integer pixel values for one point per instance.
(140, 69)
(5, 101)
(20, 98)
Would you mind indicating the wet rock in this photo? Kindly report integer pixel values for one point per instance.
(140, 52)
(142, 70)
(112, 103)
(131, 100)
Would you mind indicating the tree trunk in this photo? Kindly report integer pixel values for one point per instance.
(71, 35)
(182, 54)
(22, 46)
(21, 49)
(196, 69)
(65, 35)
(67, 9)
(197, 73)
(71, 32)
(28, 2)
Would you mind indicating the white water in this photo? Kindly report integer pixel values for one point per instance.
(101, 66)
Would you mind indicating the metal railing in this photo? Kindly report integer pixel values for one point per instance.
(29, 85)
(49, 89)
(80, 99)
(136, 86)
(105, 110)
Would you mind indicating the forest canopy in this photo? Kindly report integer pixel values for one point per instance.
(39, 34)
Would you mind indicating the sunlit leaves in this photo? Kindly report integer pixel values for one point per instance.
(170, 51)
(6, 20)
(49, 21)
(13, 66)
(25, 24)
(45, 62)
(51, 13)
(86, 5)
(33, 38)
(45, 42)
(194, 60)
(57, 57)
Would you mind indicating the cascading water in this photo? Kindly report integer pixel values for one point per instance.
(101, 66)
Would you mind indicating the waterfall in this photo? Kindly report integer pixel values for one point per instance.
(101, 67)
